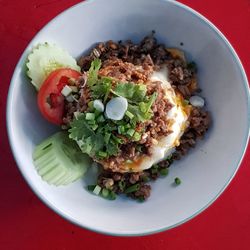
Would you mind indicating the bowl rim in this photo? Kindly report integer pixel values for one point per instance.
(146, 232)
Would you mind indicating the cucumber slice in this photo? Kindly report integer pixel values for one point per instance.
(46, 58)
(59, 161)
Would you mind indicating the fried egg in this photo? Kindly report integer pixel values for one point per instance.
(166, 145)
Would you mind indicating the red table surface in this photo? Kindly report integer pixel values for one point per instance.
(26, 223)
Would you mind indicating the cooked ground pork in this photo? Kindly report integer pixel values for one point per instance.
(80, 103)
(148, 54)
(126, 72)
(154, 129)
(127, 61)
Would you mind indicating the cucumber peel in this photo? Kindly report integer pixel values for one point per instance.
(59, 161)
(46, 58)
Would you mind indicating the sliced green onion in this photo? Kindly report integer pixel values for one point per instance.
(131, 132)
(105, 192)
(177, 181)
(121, 129)
(129, 115)
(90, 116)
(112, 195)
(98, 105)
(66, 91)
(110, 127)
(74, 89)
(91, 104)
(142, 107)
(136, 136)
(121, 185)
(141, 199)
(97, 190)
(133, 122)
(127, 125)
(70, 98)
(91, 187)
(116, 108)
(76, 114)
(116, 139)
(91, 122)
(132, 189)
(164, 171)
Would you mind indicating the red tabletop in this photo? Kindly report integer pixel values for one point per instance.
(26, 223)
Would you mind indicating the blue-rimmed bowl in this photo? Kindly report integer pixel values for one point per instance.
(205, 171)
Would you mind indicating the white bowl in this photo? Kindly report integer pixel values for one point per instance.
(205, 171)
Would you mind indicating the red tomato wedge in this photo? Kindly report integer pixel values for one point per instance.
(50, 100)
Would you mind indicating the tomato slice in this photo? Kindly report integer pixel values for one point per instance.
(50, 100)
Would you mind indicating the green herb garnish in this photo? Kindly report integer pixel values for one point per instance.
(100, 137)
(177, 181)
(133, 92)
(164, 172)
(132, 189)
(93, 72)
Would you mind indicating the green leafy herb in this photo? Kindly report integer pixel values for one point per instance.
(112, 148)
(145, 106)
(133, 92)
(140, 116)
(99, 136)
(90, 142)
(102, 88)
(93, 72)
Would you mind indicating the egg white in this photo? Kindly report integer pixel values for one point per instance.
(166, 145)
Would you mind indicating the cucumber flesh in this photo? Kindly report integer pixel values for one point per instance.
(59, 161)
(46, 58)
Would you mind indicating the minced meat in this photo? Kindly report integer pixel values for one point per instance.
(127, 61)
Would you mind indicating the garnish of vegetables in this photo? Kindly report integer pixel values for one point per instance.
(100, 134)
(59, 161)
(52, 93)
(46, 58)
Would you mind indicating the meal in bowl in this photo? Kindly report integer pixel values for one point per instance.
(132, 109)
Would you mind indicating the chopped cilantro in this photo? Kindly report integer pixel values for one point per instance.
(133, 92)
(93, 72)
(100, 137)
